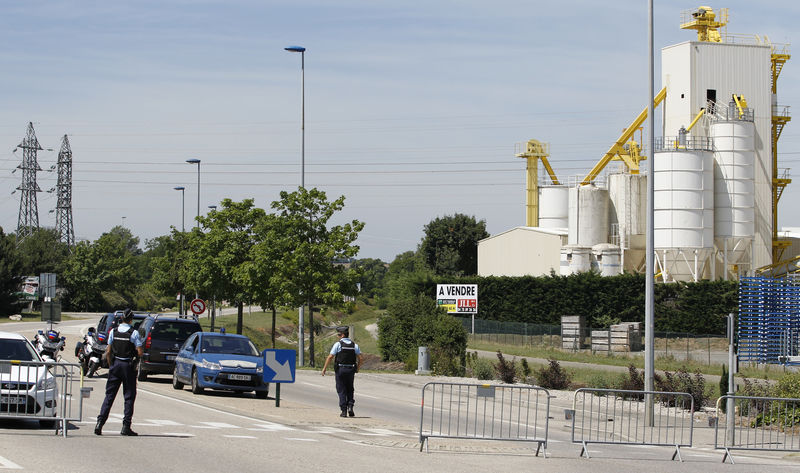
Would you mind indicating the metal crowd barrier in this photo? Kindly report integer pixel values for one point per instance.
(484, 412)
(51, 392)
(620, 417)
(758, 423)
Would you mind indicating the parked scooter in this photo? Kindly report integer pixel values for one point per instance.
(49, 344)
(91, 352)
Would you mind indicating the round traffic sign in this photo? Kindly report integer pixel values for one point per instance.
(198, 306)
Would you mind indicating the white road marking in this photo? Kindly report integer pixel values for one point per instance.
(159, 423)
(198, 406)
(367, 395)
(239, 436)
(314, 385)
(7, 464)
(271, 427)
(300, 439)
(379, 432)
(327, 430)
(215, 425)
(177, 434)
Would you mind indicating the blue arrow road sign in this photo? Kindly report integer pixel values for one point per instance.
(279, 366)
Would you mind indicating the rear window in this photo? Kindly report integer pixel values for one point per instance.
(16, 350)
(174, 331)
(228, 345)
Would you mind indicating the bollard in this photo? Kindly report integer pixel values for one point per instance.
(423, 362)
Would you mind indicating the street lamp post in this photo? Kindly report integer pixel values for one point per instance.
(183, 205)
(197, 161)
(183, 229)
(302, 51)
(213, 298)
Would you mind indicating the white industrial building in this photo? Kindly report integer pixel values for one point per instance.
(712, 168)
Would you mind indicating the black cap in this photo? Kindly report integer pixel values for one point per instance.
(343, 329)
(127, 314)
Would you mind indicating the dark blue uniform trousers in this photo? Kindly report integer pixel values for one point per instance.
(120, 373)
(344, 386)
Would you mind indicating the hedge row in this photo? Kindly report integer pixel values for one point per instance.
(699, 308)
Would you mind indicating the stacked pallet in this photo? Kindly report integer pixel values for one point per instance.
(622, 337)
(573, 332)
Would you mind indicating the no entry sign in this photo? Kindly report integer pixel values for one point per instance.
(198, 306)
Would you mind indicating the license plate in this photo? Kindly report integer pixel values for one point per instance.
(239, 377)
(170, 357)
(12, 399)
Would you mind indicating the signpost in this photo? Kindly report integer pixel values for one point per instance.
(458, 299)
(279, 367)
(198, 306)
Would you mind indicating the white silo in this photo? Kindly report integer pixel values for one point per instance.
(575, 259)
(628, 203)
(606, 259)
(733, 133)
(553, 206)
(588, 215)
(683, 206)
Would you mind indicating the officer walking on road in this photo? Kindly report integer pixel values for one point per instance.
(124, 344)
(348, 360)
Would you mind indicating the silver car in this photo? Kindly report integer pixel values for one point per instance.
(27, 388)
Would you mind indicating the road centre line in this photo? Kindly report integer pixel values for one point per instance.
(200, 406)
(239, 436)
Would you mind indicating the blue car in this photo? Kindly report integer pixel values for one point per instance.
(220, 361)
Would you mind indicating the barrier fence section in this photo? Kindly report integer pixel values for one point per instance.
(758, 423)
(620, 417)
(486, 412)
(50, 392)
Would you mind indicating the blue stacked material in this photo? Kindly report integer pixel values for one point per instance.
(769, 318)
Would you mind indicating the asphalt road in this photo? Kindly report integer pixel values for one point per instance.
(226, 432)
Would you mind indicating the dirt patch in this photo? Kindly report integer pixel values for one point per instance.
(375, 363)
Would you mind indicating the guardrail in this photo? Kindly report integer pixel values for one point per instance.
(614, 416)
(485, 412)
(758, 423)
(50, 392)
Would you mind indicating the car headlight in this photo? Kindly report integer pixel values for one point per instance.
(210, 365)
(48, 382)
(259, 369)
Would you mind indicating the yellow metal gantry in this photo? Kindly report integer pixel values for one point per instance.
(618, 148)
(780, 118)
(705, 21)
(534, 151)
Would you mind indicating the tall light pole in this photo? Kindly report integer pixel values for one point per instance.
(302, 51)
(213, 208)
(649, 306)
(197, 161)
(183, 205)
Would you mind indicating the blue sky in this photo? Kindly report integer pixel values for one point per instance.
(412, 108)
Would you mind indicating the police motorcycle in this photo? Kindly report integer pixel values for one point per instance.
(49, 343)
(91, 352)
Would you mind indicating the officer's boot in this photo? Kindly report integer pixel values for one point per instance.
(98, 428)
(126, 430)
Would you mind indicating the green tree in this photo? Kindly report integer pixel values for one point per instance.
(10, 273)
(307, 272)
(402, 278)
(216, 263)
(102, 275)
(166, 255)
(371, 275)
(262, 267)
(450, 245)
(42, 252)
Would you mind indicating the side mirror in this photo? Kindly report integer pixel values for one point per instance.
(63, 338)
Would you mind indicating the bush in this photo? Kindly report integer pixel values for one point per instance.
(682, 382)
(553, 376)
(506, 371)
(634, 381)
(480, 368)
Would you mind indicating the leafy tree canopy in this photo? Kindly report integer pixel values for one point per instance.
(450, 245)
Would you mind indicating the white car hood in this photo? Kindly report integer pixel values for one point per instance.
(25, 374)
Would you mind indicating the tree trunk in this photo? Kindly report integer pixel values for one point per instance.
(310, 335)
(273, 326)
(239, 318)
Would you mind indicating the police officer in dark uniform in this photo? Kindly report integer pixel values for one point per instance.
(124, 345)
(348, 360)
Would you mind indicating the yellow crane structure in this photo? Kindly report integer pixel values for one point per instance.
(706, 23)
(534, 151)
(631, 157)
(778, 57)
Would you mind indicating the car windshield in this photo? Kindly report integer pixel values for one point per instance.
(228, 345)
(16, 350)
(174, 332)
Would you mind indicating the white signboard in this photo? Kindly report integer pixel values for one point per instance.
(459, 299)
